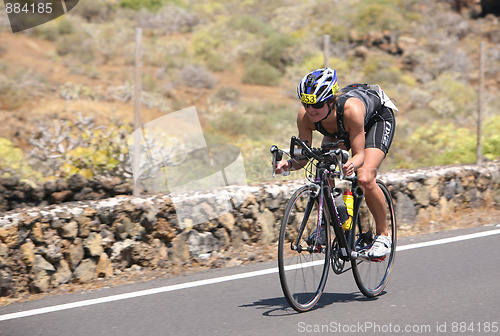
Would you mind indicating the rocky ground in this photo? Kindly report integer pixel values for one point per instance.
(245, 255)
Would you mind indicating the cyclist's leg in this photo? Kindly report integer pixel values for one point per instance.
(379, 137)
(375, 200)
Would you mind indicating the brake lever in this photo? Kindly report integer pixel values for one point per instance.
(339, 162)
(277, 156)
(342, 156)
(339, 156)
(274, 151)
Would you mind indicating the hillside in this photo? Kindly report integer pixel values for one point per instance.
(238, 63)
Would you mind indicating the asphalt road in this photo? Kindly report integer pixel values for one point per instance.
(439, 286)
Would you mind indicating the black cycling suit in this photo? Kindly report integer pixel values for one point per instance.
(380, 123)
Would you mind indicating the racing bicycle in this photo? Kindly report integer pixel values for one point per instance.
(303, 262)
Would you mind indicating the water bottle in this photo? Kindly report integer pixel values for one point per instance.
(349, 203)
(341, 208)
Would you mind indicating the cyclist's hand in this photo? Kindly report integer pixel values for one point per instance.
(282, 166)
(348, 168)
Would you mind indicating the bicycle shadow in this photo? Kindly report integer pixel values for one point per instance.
(278, 306)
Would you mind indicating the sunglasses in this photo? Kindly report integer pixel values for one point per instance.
(315, 106)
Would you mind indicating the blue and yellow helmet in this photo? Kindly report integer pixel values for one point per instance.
(318, 86)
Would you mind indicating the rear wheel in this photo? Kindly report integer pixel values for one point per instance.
(303, 263)
(372, 275)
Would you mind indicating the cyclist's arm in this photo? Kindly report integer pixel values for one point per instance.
(305, 128)
(305, 134)
(354, 119)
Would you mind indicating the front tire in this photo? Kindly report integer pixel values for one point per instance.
(303, 268)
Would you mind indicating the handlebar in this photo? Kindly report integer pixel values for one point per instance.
(324, 154)
(328, 153)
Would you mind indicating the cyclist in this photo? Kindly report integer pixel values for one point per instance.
(360, 116)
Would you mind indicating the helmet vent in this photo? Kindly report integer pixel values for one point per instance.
(310, 80)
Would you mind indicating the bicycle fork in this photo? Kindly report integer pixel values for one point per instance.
(295, 246)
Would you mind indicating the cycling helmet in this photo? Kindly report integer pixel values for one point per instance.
(318, 86)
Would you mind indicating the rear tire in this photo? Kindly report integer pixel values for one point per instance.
(372, 276)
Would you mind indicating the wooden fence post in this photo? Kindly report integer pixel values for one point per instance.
(137, 108)
(326, 50)
(479, 150)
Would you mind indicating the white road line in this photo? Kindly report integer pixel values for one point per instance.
(205, 282)
(448, 240)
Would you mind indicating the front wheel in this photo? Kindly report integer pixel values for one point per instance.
(303, 263)
(372, 275)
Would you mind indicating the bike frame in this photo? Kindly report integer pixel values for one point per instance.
(347, 245)
(321, 182)
(332, 213)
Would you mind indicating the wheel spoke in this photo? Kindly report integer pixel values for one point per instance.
(303, 270)
(372, 275)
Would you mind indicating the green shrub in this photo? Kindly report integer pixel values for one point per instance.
(231, 126)
(452, 98)
(151, 5)
(10, 157)
(380, 69)
(77, 45)
(250, 24)
(337, 32)
(16, 88)
(316, 61)
(102, 154)
(491, 138)
(195, 76)
(65, 148)
(441, 144)
(13, 161)
(166, 21)
(261, 73)
(95, 10)
(10, 97)
(66, 27)
(227, 94)
(377, 16)
(48, 31)
(375, 63)
(203, 42)
(269, 118)
(253, 128)
(275, 50)
(219, 62)
(54, 29)
(255, 121)
(445, 143)
(215, 45)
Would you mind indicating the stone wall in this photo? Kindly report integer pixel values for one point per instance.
(16, 193)
(43, 247)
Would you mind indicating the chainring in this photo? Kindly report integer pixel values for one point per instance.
(337, 263)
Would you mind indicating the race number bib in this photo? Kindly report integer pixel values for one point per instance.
(308, 98)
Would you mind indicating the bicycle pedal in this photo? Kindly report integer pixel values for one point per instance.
(315, 248)
(380, 259)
